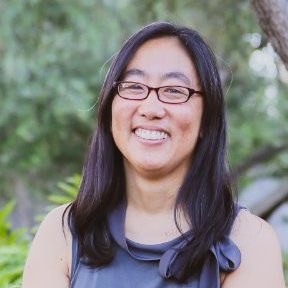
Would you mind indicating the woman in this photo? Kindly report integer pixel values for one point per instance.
(155, 207)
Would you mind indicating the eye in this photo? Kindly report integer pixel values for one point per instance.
(132, 87)
(174, 90)
(135, 86)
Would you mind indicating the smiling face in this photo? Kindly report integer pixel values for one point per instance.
(156, 138)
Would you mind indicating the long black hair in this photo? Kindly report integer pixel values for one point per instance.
(205, 195)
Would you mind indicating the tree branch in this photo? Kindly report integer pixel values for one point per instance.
(263, 154)
(273, 20)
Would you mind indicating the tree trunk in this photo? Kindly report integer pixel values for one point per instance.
(272, 17)
(22, 216)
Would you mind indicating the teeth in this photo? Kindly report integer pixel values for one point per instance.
(151, 134)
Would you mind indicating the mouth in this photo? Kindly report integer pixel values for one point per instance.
(151, 134)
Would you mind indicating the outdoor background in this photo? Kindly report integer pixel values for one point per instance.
(53, 58)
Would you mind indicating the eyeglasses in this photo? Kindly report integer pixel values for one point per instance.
(167, 94)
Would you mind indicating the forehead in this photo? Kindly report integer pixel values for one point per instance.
(162, 56)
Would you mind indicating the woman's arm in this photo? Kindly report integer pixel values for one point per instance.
(48, 262)
(261, 263)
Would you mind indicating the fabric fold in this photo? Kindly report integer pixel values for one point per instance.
(224, 256)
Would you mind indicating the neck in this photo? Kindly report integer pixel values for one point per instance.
(152, 194)
(150, 209)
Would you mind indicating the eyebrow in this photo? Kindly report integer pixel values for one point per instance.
(134, 72)
(170, 75)
(177, 75)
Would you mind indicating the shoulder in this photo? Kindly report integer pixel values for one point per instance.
(55, 225)
(55, 216)
(49, 258)
(248, 226)
(261, 262)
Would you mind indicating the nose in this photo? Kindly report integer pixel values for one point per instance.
(151, 107)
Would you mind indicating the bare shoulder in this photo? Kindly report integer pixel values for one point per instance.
(54, 227)
(261, 262)
(55, 217)
(248, 227)
(49, 258)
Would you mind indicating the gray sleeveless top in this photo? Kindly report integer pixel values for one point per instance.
(150, 266)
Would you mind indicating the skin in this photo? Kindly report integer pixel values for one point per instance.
(49, 260)
(154, 171)
(154, 64)
(261, 262)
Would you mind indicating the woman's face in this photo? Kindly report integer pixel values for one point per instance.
(156, 138)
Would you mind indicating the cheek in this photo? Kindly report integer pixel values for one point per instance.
(117, 112)
(121, 118)
(189, 124)
(115, 119)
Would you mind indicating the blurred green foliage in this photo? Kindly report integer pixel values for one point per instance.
(68, 190)
(53, 58)
(14, 243)
(54, 55)
(13, 250)
(285, 265)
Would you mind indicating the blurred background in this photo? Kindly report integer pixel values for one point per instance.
(53, 58)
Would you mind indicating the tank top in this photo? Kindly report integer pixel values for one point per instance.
(150, 266)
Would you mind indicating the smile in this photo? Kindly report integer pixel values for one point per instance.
(151, 134)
